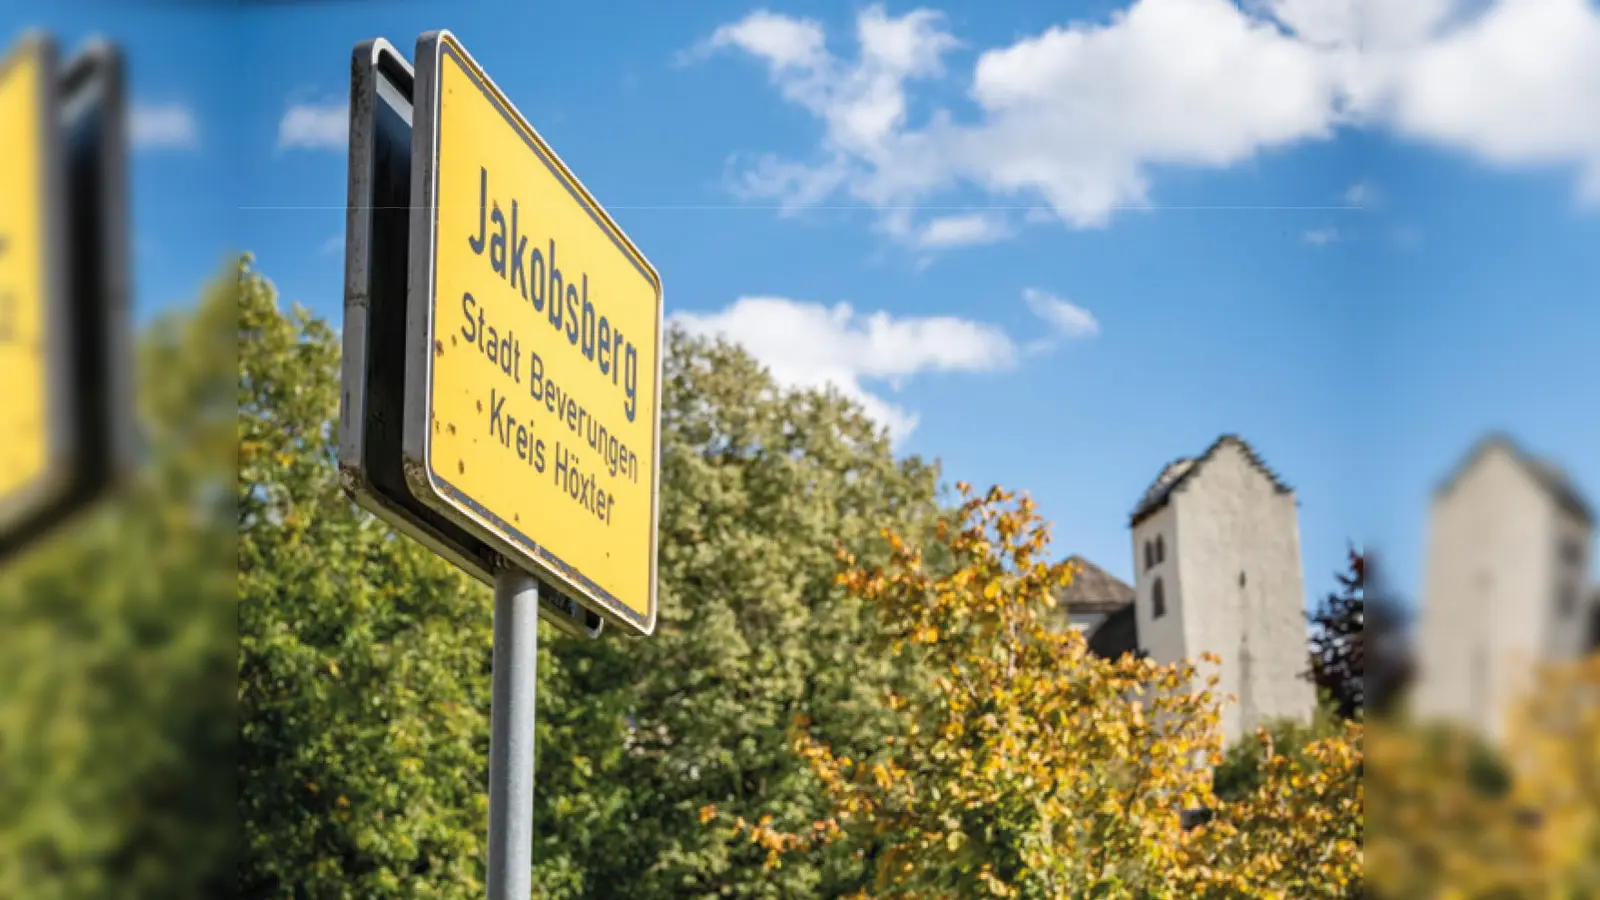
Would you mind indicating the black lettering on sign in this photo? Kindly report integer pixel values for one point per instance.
(588, 323)
(555, 292)
(519, 249)
(583, 487)
(580, 421)
(514, 435)
(564, 298)
(503, 350)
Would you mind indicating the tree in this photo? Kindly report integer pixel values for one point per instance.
(364, 660)
(1036, 769)
(1337, 641)
(1553, 758)
(1389, 667)
(1298, 833)
(759, 486)
(117, 651)
(1435, 821)
(1244, 764)
(1453, 816)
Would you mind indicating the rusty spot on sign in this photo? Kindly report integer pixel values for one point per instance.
(438, 348)
(461, 467)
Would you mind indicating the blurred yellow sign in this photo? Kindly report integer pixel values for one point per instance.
(25, 289)
(536, 420)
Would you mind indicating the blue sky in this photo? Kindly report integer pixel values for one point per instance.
(1358, 243)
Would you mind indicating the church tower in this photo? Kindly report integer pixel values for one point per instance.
(1506, 584)
(1216, 543)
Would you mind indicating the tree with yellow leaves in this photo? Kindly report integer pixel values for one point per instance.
(1453, 817)
(1297, 834)
(1554, 757)
(1030, 768)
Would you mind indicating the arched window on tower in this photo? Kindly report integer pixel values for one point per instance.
(1161, 550)
(1149, 555)
(1158, 600)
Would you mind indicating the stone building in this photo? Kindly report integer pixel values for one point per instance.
(1506, 584)
(1216, 545)
(1100, 605)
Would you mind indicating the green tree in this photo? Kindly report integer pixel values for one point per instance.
(1338, 646)
(364, 660)
(1387, 653)
(1241, 770)
(760, 487)
(117, 652)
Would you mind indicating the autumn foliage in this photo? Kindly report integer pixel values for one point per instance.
(1452, 817)
(1031, 768)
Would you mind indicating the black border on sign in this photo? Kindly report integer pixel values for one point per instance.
(101, 282)
(366, 314)
(427, 485)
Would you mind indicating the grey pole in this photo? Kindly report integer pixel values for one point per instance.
(516, 654)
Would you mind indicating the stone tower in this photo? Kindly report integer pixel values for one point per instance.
(1506, 584)
(1216, 543)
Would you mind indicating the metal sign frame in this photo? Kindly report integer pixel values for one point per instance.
(87, 286)
(515, 546)
(373, 363)
(102, 278)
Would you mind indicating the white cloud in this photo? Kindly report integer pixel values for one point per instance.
(811, 345)
(1065, 318)
(1363, 194)
(1517, 86)
(333, 245)
(314, 126)
(1321, 237)
(1079, 115)
(863, 104)
(787, 43)
(795, 185)
(963, 230)
(169, 126)
(1073, 116)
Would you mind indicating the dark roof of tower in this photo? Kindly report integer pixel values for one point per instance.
(1180, 471)
(1547, 474)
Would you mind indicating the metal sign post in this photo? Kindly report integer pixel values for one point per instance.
(511, 734)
